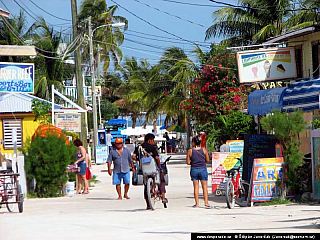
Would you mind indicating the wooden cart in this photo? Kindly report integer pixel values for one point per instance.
(10, 191)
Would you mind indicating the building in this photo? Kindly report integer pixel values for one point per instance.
(16, 113)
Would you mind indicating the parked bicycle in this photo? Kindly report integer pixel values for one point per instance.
(10, 191)
(153, 189)
(236, 189)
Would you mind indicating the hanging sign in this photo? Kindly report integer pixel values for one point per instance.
(17, 77)
(70, 122)
(266, 64)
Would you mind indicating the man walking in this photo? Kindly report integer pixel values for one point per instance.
(108, 140)
(121, 158)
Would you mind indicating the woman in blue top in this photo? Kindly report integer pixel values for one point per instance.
(197, 157)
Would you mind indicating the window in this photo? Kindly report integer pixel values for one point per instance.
(315, 58)
(299, 66)
(8, 128)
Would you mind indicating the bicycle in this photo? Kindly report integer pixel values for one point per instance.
(236, 189)
(153, 189)
(10, 191)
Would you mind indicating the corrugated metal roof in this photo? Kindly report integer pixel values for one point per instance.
(19, 102)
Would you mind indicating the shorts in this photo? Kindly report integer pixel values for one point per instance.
(116, 179)
(199, 174)
(83, 167)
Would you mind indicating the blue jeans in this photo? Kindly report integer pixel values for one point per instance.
(116, 179)
(199, 174)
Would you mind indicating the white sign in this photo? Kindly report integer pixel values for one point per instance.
(70, 122)
(266, 64)
(98, 91)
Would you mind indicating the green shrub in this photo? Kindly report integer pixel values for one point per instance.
(46, 161)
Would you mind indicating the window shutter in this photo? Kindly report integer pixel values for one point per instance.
(8, 126)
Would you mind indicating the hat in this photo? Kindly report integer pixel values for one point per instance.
(119, 140)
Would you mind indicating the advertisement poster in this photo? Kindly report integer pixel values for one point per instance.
(266, 172)
(316, 163)
(70, 122)
(17, 77)
(221, 162)
(266, 64)
(101, 154)
(236, 145)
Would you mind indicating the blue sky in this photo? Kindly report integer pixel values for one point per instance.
(138, 34)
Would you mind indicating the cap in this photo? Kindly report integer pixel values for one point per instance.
(119, 140)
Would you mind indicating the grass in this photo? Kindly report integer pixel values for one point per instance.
(276, 201)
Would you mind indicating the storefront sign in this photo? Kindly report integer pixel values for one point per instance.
(17, 77)
(266, 64)
(266, 172)
(70, 122)
(221, 162)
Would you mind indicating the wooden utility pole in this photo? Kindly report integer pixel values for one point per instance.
(79, 79)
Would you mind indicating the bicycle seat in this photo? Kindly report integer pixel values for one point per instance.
(232, 170)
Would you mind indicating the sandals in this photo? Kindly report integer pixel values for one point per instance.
(165, 201)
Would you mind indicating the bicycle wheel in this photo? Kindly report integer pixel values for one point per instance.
(20, 204)
(230, 197)
(151, 193)
(10, 195)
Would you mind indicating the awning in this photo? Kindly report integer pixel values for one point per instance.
(302, 95)
(261, 102)
(117, 121)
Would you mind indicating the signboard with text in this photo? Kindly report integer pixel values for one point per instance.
(70, 122)
(266, 172)
(221, 162)
(236, 145)
(266, 64)
(101, 154)
(16, 77)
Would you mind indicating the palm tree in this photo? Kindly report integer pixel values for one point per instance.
(253, 22)
(108, 38)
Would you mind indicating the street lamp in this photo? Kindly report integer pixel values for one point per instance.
(93, 81)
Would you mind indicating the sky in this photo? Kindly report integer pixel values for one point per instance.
(150, 31)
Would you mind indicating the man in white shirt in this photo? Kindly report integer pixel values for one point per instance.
(224, 147)
(108, 139)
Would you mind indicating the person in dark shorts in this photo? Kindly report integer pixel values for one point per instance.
(149, 147)
(197, 157)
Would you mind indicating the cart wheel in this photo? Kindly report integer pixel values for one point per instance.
(10, 195)
(20, 204)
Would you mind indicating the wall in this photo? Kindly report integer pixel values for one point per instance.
(305, 41)
(28, 128)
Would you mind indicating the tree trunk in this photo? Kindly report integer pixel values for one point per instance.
(154, 122)
(134, 120)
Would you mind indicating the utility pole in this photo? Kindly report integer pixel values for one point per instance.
(79, 79)
(94, 98)
(99, 81)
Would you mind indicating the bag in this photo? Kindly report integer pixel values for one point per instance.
(148, 163)
(146, 160)
(88, 174)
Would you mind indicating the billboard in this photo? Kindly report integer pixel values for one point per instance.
(16, 77)
(266, 64)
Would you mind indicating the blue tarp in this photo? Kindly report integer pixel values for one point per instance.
(117, 122)
(261, 102)
(302, 95)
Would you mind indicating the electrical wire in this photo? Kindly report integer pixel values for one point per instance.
(68, 20)
(172, 15)
(156, 27)
(191, 4)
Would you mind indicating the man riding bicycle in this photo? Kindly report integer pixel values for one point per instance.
(151, 149)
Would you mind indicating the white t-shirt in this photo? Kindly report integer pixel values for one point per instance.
(108, 138)
(224, 148)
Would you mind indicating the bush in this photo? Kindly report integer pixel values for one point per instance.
(46, 161)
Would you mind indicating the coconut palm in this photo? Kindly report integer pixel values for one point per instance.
(254, 21)
(107, 37)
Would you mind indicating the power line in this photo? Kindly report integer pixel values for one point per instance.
(50, 13)
(172, 15)
(191, 4)
(158, 28)
(5, 6)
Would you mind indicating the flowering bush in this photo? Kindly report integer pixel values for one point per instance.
(217, 90)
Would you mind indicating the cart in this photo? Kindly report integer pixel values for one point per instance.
(10, 191)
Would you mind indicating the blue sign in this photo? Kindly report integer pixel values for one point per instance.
(17, 77)
(101, 154)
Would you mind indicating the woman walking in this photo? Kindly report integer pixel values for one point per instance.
(81, 162)
(197, 157)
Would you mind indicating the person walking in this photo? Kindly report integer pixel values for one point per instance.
(197, 157)
(224, 146)
(81, 163)
(121, 159)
